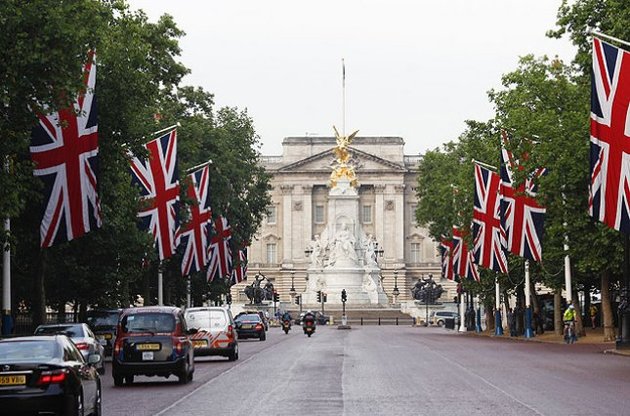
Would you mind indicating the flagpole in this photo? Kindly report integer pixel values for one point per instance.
(174, 126)
(160, 285)
(199, 166)
(343, 98)
(528, 303)
(498, 325)
(188, 289)
(485, 165)
(7, 321)
(602, 35)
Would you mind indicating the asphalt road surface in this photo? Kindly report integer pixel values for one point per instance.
(387, 370)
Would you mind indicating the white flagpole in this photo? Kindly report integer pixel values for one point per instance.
(602, 35)
(199, 166)
(174, 126)
(498, 324)
(343, 98)
(528, 303)
(188, 288)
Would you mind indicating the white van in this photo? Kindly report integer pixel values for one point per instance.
(216, 333)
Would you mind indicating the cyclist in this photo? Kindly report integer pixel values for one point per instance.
(569, 325)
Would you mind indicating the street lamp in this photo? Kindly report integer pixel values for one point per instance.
(396, 292)
(428, 297)
(292, 290)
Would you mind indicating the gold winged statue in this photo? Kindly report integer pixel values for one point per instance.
(343, 169)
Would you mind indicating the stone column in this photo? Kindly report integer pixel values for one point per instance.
(287, 229)
(379, 215)
(307, 217)
(399, 232)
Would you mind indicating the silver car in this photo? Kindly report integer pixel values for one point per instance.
(81, 336)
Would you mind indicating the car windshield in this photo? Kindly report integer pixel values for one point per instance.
(73, 331)
(25, 351)
(102, 319)
(248, 317)
(148, 322)
(206, 319)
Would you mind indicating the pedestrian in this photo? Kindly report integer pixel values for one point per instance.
(511, 318)
(593, 313)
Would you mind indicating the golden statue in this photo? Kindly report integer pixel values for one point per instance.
(343, 169)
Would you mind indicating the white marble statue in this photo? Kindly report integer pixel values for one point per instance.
(369, 244)
(342, 246)
(317, 255)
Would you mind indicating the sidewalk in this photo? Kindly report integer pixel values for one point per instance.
(592, 337)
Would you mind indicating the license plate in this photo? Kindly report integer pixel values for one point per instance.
(12, 380)
(147, 356)
(200, 344)
(148, 347)
(246, 326)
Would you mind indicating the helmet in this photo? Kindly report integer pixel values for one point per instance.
(571, 306)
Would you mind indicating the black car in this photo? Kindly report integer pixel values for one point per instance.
(47, 374)
(103, 323)
(250, 325)
(152, 341)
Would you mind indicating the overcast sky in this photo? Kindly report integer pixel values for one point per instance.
(414, 68)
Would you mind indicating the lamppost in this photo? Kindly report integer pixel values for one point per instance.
(292, 290)
(227, 279)
(395, 292)
(428, 298)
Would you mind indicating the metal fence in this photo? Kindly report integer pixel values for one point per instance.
(24, 321)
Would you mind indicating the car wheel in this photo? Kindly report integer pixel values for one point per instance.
(129, 379)
(118, 380)
(184, 375)
(233, 355)
(440, 323)
(101, 369)
(75, 405)
(263, 336)
(98, 410)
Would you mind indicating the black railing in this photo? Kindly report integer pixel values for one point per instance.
(24, 321)
(380, 321)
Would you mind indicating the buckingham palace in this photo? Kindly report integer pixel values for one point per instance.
(387, 202)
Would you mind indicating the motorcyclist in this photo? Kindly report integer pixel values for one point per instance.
(286, 316)
(309, 316)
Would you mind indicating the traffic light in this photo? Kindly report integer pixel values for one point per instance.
(319, 296)
(297, 299)
(276, 297)
(344, 295)
(325, 296)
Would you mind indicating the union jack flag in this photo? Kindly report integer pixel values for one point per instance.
(489, 240)
(463, 265)
(64, 148)
(609, 190)
(194, 234)
(521, 216)
(157, 179)
(219, 251)
(446, 249)
(240, 270)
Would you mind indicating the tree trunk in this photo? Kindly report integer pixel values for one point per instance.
(39, 301)
(489, 315)
(606, 308)
(579, 324)
(557, 312)
(83, 311)
(146, 286)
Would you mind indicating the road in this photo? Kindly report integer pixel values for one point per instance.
(388, 370)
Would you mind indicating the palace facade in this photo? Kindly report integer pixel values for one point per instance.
(387, 190)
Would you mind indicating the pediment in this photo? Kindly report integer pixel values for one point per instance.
(325, 161)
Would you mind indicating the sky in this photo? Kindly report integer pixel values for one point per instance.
(415, 69)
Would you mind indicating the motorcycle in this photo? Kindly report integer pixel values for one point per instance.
(308, 325)
(286, 326)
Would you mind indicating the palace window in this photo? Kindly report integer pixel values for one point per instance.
(415, 253)
(366, 214)
(272, 255)
(271, 214)
(319, 214)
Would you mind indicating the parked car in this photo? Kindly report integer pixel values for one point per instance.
(250, 325)
(216, 333)
(439, 317)
(103, 323)
(152, 341)
(47, 374)
(81, 335)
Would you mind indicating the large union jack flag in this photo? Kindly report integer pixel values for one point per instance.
(609, 191)
(446, 251)
(521, 216)
(463, 265)
(240, 270)
(157, 179)
(64, 148)
(489, 240)
(194, 234)
(219, 251)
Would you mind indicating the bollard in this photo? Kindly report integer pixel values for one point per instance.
(396, 321)
(361, 321)
(379, 321)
